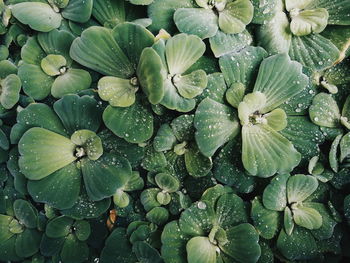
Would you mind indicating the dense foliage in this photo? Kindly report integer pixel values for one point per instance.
(174, 131)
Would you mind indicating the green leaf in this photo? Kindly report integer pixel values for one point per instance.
(328, 222)
(174, 243)
(117, 248)
(324, 111)
(39, 16)
(243, 245)
(85, 208)
(182, 51)
(222, 44)
(275, 193)
(266, 221)
(198, 219)
(216, 124)
(118, 92)
(121, 199)
(90, 142)
(37, 114)
(338, 10)
(200, 250)
(10, 89)
(236, 16)
(153, 160)
(59, 227)
(305, 136)
(27, 243)
(146, 253)
(242, 67)
(162, 11)
(56, 42)
(191, 85)
(74, 250)
(344, 147)
(134, 124)
(98, 50)
(165, 139)
(230, 211)
(196, 21)
(7, 68)
(39, 160)
(167, 183)
(263, 10)
(158, 215)
(288, 221)
(8, 251)
(78, 113)
(72, 81)
(313, 51)
(78, 11)
(25, 213)
(277, 119)
(52, 64)
(309, 21)
(307, 217)
(300, 245)
(197, 164)
(151, 74)
(279, 79)
(228, 169)
(148, 198)
(274, 35)
(266, 152)
(60, 189)
(333, 153)
(182, 127)
(300, 187)
(132, 39)
(36, 83)
(5, 233)
(174, 101)
(235, 94)
(82, 230)
(103, 177)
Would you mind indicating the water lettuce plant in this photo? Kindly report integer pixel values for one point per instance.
(258, 116)
(174, 131)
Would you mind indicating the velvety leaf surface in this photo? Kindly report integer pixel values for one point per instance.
(39, 16)
(40, 160)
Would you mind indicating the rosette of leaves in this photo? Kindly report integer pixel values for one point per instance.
(181, 82)
(5, 15)
(110, 13)
(137, 243)
(66, 239)
(296, 26)
(178, 136)
(288, 206)
(116, 56)
(19, 234)
(46, 15)
(47, 67)
(260, 117)
(132, 181)
(325, 112)
(60, 151)
(214, 229)
(10, 84)
(222, 21)
(154, 198)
